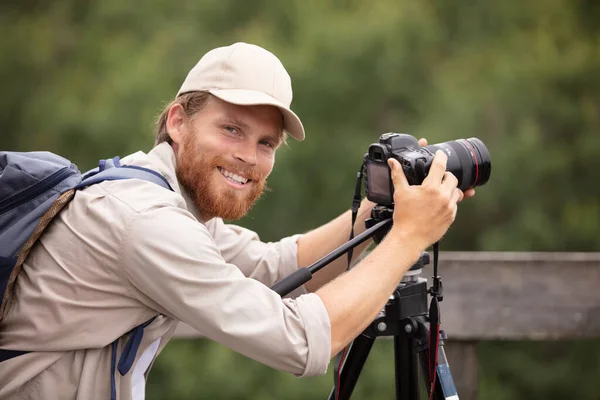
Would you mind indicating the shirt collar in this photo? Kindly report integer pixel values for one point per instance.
(162, 159)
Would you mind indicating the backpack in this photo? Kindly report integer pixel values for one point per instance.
(34, 188)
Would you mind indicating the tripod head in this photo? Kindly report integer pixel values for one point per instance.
(379, 213)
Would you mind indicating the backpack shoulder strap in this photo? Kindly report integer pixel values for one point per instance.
(112, 170)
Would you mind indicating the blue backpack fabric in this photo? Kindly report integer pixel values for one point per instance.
(34, 188)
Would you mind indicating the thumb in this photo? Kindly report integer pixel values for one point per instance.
(398, 177)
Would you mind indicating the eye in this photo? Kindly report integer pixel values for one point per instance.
(232, 130)
(268, 143)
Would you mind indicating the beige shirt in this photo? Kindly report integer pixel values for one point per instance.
(124, 251)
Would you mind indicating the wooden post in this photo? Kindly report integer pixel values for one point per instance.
(463, 362)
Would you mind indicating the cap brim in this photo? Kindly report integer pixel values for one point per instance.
(291, 122)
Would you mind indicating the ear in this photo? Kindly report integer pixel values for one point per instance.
(177, 123)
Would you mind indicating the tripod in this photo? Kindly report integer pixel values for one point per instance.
(405, 317)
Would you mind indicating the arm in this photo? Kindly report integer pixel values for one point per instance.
(317, 243)
(370, 284)
(355, 298)
(265, 262)
(174, 267)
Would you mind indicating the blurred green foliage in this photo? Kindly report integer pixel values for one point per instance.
(86, 79)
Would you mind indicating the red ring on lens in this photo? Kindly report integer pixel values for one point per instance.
(472, 151)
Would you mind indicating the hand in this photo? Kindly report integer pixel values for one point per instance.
(467, 193)
(425, 212)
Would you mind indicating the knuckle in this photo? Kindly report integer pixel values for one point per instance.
(432, 190)
(433, 193)
(446, 194)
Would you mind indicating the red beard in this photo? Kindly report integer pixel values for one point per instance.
(195, 172)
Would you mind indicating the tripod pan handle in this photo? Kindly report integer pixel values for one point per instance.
(293, 281)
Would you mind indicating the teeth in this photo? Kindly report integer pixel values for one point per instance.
(234, 177)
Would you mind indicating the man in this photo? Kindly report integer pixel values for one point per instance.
(128, 252)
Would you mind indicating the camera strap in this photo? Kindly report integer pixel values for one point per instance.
(356, 200)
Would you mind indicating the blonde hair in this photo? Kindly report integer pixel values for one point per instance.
(191, 102)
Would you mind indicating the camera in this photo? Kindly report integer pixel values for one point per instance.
(468, 159)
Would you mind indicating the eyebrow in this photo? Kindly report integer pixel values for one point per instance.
(233, 121)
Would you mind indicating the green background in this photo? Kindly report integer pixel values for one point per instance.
(87, 78)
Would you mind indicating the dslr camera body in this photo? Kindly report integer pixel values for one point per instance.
(468, 159)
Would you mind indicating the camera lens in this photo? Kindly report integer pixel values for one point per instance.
(468, 159)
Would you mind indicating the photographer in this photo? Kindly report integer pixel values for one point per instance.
(126, 254)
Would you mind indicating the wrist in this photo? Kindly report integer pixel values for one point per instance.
(366, 206)
(411, 245)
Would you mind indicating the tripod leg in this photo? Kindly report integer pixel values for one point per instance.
(407, 373)
(352, 367)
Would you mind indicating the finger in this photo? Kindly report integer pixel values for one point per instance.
(457, 196)
(469, 193)
(422, 142)
(449, 182)
(398, 177)
(437, 169)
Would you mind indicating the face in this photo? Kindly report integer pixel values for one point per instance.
(225, 154)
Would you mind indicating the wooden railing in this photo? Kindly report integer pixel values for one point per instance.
(510, 296)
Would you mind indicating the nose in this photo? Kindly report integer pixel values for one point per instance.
(246, 154)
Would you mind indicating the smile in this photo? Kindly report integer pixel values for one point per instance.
(234, 178)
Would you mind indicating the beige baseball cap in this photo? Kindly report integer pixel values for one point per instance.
(246, 74)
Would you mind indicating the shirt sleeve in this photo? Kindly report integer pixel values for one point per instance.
(267, 262)
(176, 268)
